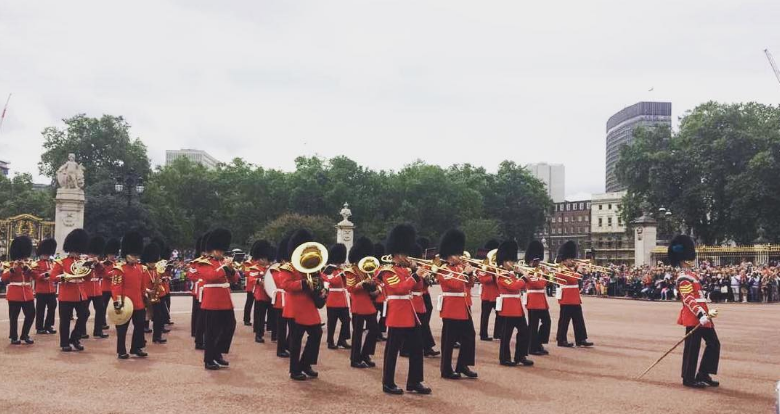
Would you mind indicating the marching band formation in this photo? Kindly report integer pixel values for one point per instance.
(366, 293)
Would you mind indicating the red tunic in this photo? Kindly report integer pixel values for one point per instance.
(72, 290)
(536, 294)
(509, 301)
(131, 285)
(93, 283)
(454, 302)
(359, 297)
(283, 277)
(257, 272)
(694, 302)
(338, 296)
(417, 296)
(194, 277)
(215, 292)
(105, 282)
(251, 277)
(398, 284)
(304, 310)
(488, 286)
(44, 283)
(280, 299)
(568, 294)
(19, 284)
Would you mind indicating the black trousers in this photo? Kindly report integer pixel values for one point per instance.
(484, 320)
(261, 309)
(29, 316)
(539, 334)
(220, 325)
(336, 315)
(311, 352)
(396, 339)
(66, 312)
(710, 358)
(427, 335)
(45, 305)
(137, 342)
(158, 319)
(83, 329)
(362, 350)
(461, 331)
(272, 319)
(100, 313)
(200, 327)
(194, 317)
(167, 301)
(571, 313)
(509, 324)
(283, 326)
(250, 301)
(382, 327)
(107, 300)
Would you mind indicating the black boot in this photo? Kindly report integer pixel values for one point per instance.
(707, 379)
(418, 388)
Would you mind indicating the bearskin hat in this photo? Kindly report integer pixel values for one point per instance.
(47, 247)
(77, 241)
(203, 242)
(567, 250)
(681, 248)
(337, 254)
(362, 248)
(132, 244)
(417, 250)
(166, 253)
(96, 245)
(21, 248)
(282, 255)
(151, 253)
(261, 249)
(112, 247)
(379, 250)
(401, 240)
(219, 239)
(491, 244)
(198, 246)
(452, 243)
(160, 242)
(506, 251)
(424, 242)
(298, 238)
(535, 251)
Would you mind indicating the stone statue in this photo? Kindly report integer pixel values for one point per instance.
(71, 174)
(346, 212)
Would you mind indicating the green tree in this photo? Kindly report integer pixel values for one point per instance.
(478, 231)
(17, 196)
(321, 227)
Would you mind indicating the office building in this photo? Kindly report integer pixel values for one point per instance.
(194, 155)
(620, 132)
(570, 220)
(553, 177)
(608, 238)
(4, 167)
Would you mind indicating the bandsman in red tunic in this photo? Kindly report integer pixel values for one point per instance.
(694, 315)
(18, 275)
(305, 315)
(72, 295)
(399, 279)
(338, 298)
(45, 289)
(454, 305)
(250, 279)
(536, 301)
(198, 323)
(362, 291)
(153, 282)
(281, 306)
(165, 278)
(418, 294)
(216, 305)
(110, 253)
(428, 342)
(379, 300)
(509, 305)
(94, 287)
(128, 282)
(255, 269)
(488, 295)
(569, 299)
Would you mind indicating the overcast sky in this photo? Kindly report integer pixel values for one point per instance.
(382, 82)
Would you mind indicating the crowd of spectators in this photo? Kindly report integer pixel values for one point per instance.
(744, 282)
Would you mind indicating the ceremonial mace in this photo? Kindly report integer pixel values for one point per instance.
(712, 314)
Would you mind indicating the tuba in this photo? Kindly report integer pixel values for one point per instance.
(367, 266)
(309, 258)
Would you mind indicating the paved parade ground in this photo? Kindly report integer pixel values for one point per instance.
(629, 335)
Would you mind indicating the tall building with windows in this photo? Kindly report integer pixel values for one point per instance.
(4, 167)
(608, 238)
(194, 155)
(554, 178)
(620, 132)
(570, 220)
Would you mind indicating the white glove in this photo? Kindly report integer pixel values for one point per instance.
(704, 320)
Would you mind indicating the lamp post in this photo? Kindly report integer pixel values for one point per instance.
(132, 183)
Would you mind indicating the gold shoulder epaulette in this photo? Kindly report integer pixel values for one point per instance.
(386, 268)
(59, 261)
(201, 260)
(118, 266)
(288, 267)
(274, 266)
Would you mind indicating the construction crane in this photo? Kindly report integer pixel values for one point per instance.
(772, 62)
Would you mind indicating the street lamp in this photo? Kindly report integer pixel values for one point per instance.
(132, 183)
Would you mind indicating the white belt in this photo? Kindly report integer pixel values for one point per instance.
(569, 286)
(273, 299)
(20, 284)
(536, 291)
(701, 300)
(346, 295)
(417, 293)
(212, 285)
(337, 290)
(95, 279)
(393, 297)
(440, 299)
(500, 300)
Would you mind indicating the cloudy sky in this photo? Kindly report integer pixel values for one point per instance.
(383, 82)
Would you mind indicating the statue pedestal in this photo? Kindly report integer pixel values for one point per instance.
(69, 213)
(645, 232)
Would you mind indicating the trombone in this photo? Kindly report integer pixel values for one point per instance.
(548, 276)
(433, 266)
(559, 268)
(590, 265)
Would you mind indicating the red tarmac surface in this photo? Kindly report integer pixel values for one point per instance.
(629, 335)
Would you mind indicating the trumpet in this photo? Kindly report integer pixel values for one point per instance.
(590, 265)
(557, 267)
(25, 263)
